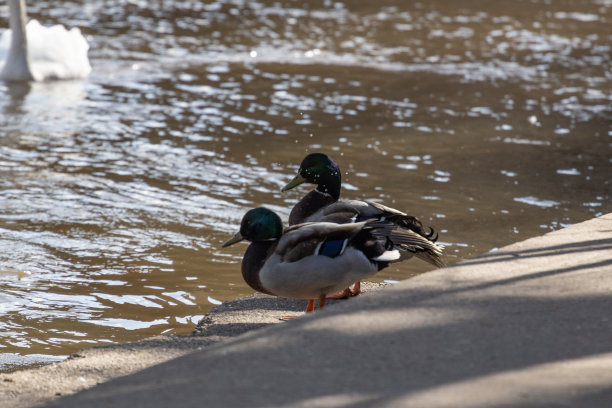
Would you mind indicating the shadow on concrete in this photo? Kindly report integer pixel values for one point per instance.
(535, 275)
(577, 247)
(263, 302)
(229, 329)
(410, 341)
(292, 366)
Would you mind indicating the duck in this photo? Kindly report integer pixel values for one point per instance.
(34, 52)
(323, 202)
(304, 261)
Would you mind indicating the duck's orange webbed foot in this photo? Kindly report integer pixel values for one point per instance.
(356, 288)
(348, 292)
(345, 294)
(309, 309)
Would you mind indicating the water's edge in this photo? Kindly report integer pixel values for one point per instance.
(33, 385)
(27, 387)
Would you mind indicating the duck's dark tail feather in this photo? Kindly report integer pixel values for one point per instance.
(431, 257)
(414, 224)
(410, 242)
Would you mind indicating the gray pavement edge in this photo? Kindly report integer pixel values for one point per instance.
(528, 325)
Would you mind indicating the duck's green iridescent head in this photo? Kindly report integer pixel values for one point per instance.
(258, 224)
(319, 169)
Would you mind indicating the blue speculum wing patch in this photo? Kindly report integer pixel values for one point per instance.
(336, 247)
(332, 248)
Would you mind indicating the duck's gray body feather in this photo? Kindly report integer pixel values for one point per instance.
(295, 271)
(315, 275)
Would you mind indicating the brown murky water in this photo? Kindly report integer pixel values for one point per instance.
(490, 121)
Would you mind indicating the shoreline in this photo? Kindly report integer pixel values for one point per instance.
(37, 385)
(505, 328)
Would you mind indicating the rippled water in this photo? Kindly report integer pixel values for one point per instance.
(490, 121)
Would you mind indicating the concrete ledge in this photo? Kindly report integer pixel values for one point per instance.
(34, 386)
(529, 325)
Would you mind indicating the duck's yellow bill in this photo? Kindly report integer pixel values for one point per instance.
(236, 238)
(297, 180)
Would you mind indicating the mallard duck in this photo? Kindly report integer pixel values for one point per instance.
(322, 204)
(306, 262)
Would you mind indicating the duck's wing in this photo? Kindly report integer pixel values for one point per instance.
(383, 209)
(364, 209)
(340, 212)
(299, 241)
(402, 219)
(348, 211)
(409, 241)
(345, 211)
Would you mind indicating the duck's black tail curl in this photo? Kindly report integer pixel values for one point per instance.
(408, 241)
(414, 224)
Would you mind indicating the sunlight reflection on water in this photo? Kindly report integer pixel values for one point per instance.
(116, 192)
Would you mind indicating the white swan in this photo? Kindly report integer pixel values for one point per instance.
(37, 53)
